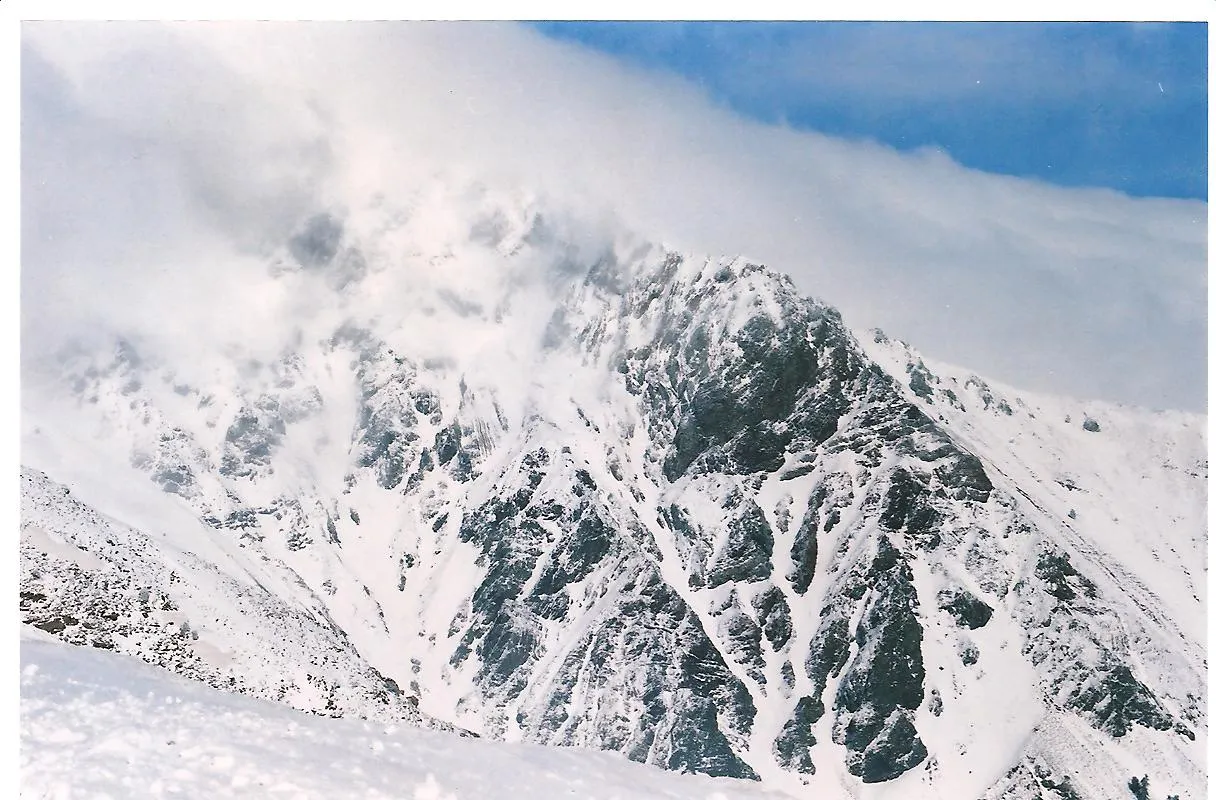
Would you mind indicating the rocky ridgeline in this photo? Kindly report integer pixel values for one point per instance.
(754, 517)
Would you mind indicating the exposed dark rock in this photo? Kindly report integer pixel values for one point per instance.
(804, 552)
(792, 747)
(751, 400)
(426, 402)
(56, 623)
(698, 745)
(963, 477)
(773, 613)
(385, 434)
(919, 378)
(1062, 579)
(743, 637)
(909, 508)
(1115, 700)
(462, 467)
(447, 443)
(241, 519)
(885, 682)
(251, 439)
(967, 609)
(788, 679)
(575, 555)
(829, 650)
(748, 552)
(896, 749)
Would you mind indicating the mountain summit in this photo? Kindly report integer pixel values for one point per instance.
(497, 477)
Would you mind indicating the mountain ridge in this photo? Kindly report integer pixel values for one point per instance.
(683, 513)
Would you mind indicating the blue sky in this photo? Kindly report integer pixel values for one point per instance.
(1112, 105)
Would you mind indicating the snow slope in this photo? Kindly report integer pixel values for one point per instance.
(96, 724)
(1126, 483)
(584, 491)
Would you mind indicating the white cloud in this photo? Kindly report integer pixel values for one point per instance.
(158, 162)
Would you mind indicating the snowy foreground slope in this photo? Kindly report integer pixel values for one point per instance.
(498, 478)
(96, 724)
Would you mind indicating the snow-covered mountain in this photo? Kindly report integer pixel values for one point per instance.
(539, 486)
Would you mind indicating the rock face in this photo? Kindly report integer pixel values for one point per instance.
(715, 532)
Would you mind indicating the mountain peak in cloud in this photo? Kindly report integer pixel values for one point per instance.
(194, 148)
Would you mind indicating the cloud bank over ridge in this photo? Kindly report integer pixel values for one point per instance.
(160, 160)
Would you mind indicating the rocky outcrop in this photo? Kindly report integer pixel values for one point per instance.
(720, 538)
